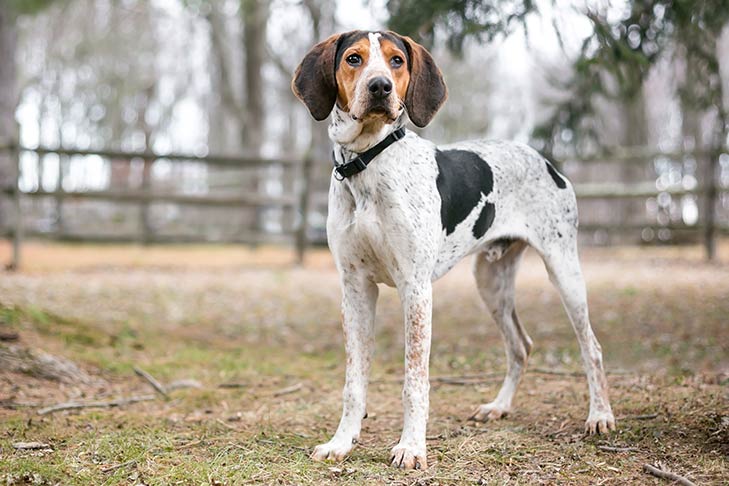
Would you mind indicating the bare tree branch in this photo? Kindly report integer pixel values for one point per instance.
(158, 387)
(661, 473)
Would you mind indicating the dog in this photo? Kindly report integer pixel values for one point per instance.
(403, 211)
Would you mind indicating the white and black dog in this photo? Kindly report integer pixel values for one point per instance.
(403, 211)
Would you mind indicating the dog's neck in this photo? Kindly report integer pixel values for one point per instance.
(352, 137)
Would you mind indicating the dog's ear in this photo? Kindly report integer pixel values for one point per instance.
(315, 82)
(427, 89)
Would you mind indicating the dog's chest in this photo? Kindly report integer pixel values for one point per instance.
(382, 219)
(367, 219)
(366, 232)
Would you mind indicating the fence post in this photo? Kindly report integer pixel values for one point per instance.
(712, 161)
(146, 226)
(305, 197)
(18, 223)
(60, 225)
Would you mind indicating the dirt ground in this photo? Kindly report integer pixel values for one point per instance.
(270, 332)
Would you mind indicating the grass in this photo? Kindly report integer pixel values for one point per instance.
(660, 314)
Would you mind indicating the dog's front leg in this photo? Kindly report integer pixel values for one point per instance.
(417, 302)
(358, 315)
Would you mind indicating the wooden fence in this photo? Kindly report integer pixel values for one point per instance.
(302, 201)
(146, 195)
(707, 189)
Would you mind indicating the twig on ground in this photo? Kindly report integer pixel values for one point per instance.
(30, 446)
(607, 448)
(288, 389)
(648, 416)
(545, 371)
(152, 381)
(660, 473)
(111, 403)
(180, 384)
(118, 466)
(233, 385)
(454, 380)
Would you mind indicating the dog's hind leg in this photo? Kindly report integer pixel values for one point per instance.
(562, 262)
(495, 273)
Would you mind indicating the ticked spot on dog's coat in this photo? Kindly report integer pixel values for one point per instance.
(463, 180)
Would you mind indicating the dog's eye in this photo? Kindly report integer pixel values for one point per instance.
(396, 61)
(354, 59)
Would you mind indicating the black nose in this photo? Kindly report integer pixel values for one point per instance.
(380, 87)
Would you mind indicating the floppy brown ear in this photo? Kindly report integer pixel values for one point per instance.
(315, 82)
(427, 90)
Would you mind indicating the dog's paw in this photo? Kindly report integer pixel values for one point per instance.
(489, 411)
(407, 457)
(599, 423)
(334, 450)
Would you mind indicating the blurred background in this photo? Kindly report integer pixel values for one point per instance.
(173, 120)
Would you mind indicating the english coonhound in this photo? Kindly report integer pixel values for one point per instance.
(403, 211)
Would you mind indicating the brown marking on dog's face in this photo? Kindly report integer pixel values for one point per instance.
(362, 61)
(348, 75)
(400, 73)
(412, 80)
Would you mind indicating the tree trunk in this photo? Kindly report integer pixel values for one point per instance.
(708, 143)
(8, 103)
(145, 222)
(255, 18)
(635, 134)
(225, 113)
(323, 20)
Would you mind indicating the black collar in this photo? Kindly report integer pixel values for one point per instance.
(359, 163)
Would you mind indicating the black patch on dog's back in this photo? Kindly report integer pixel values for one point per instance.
(463, 179)
(556, 176)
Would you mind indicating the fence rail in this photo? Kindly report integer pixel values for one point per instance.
(219, 160)
(303, 200)
(250, 200)
(146, 195)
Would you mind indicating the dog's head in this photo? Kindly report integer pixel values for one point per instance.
(371, 76)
